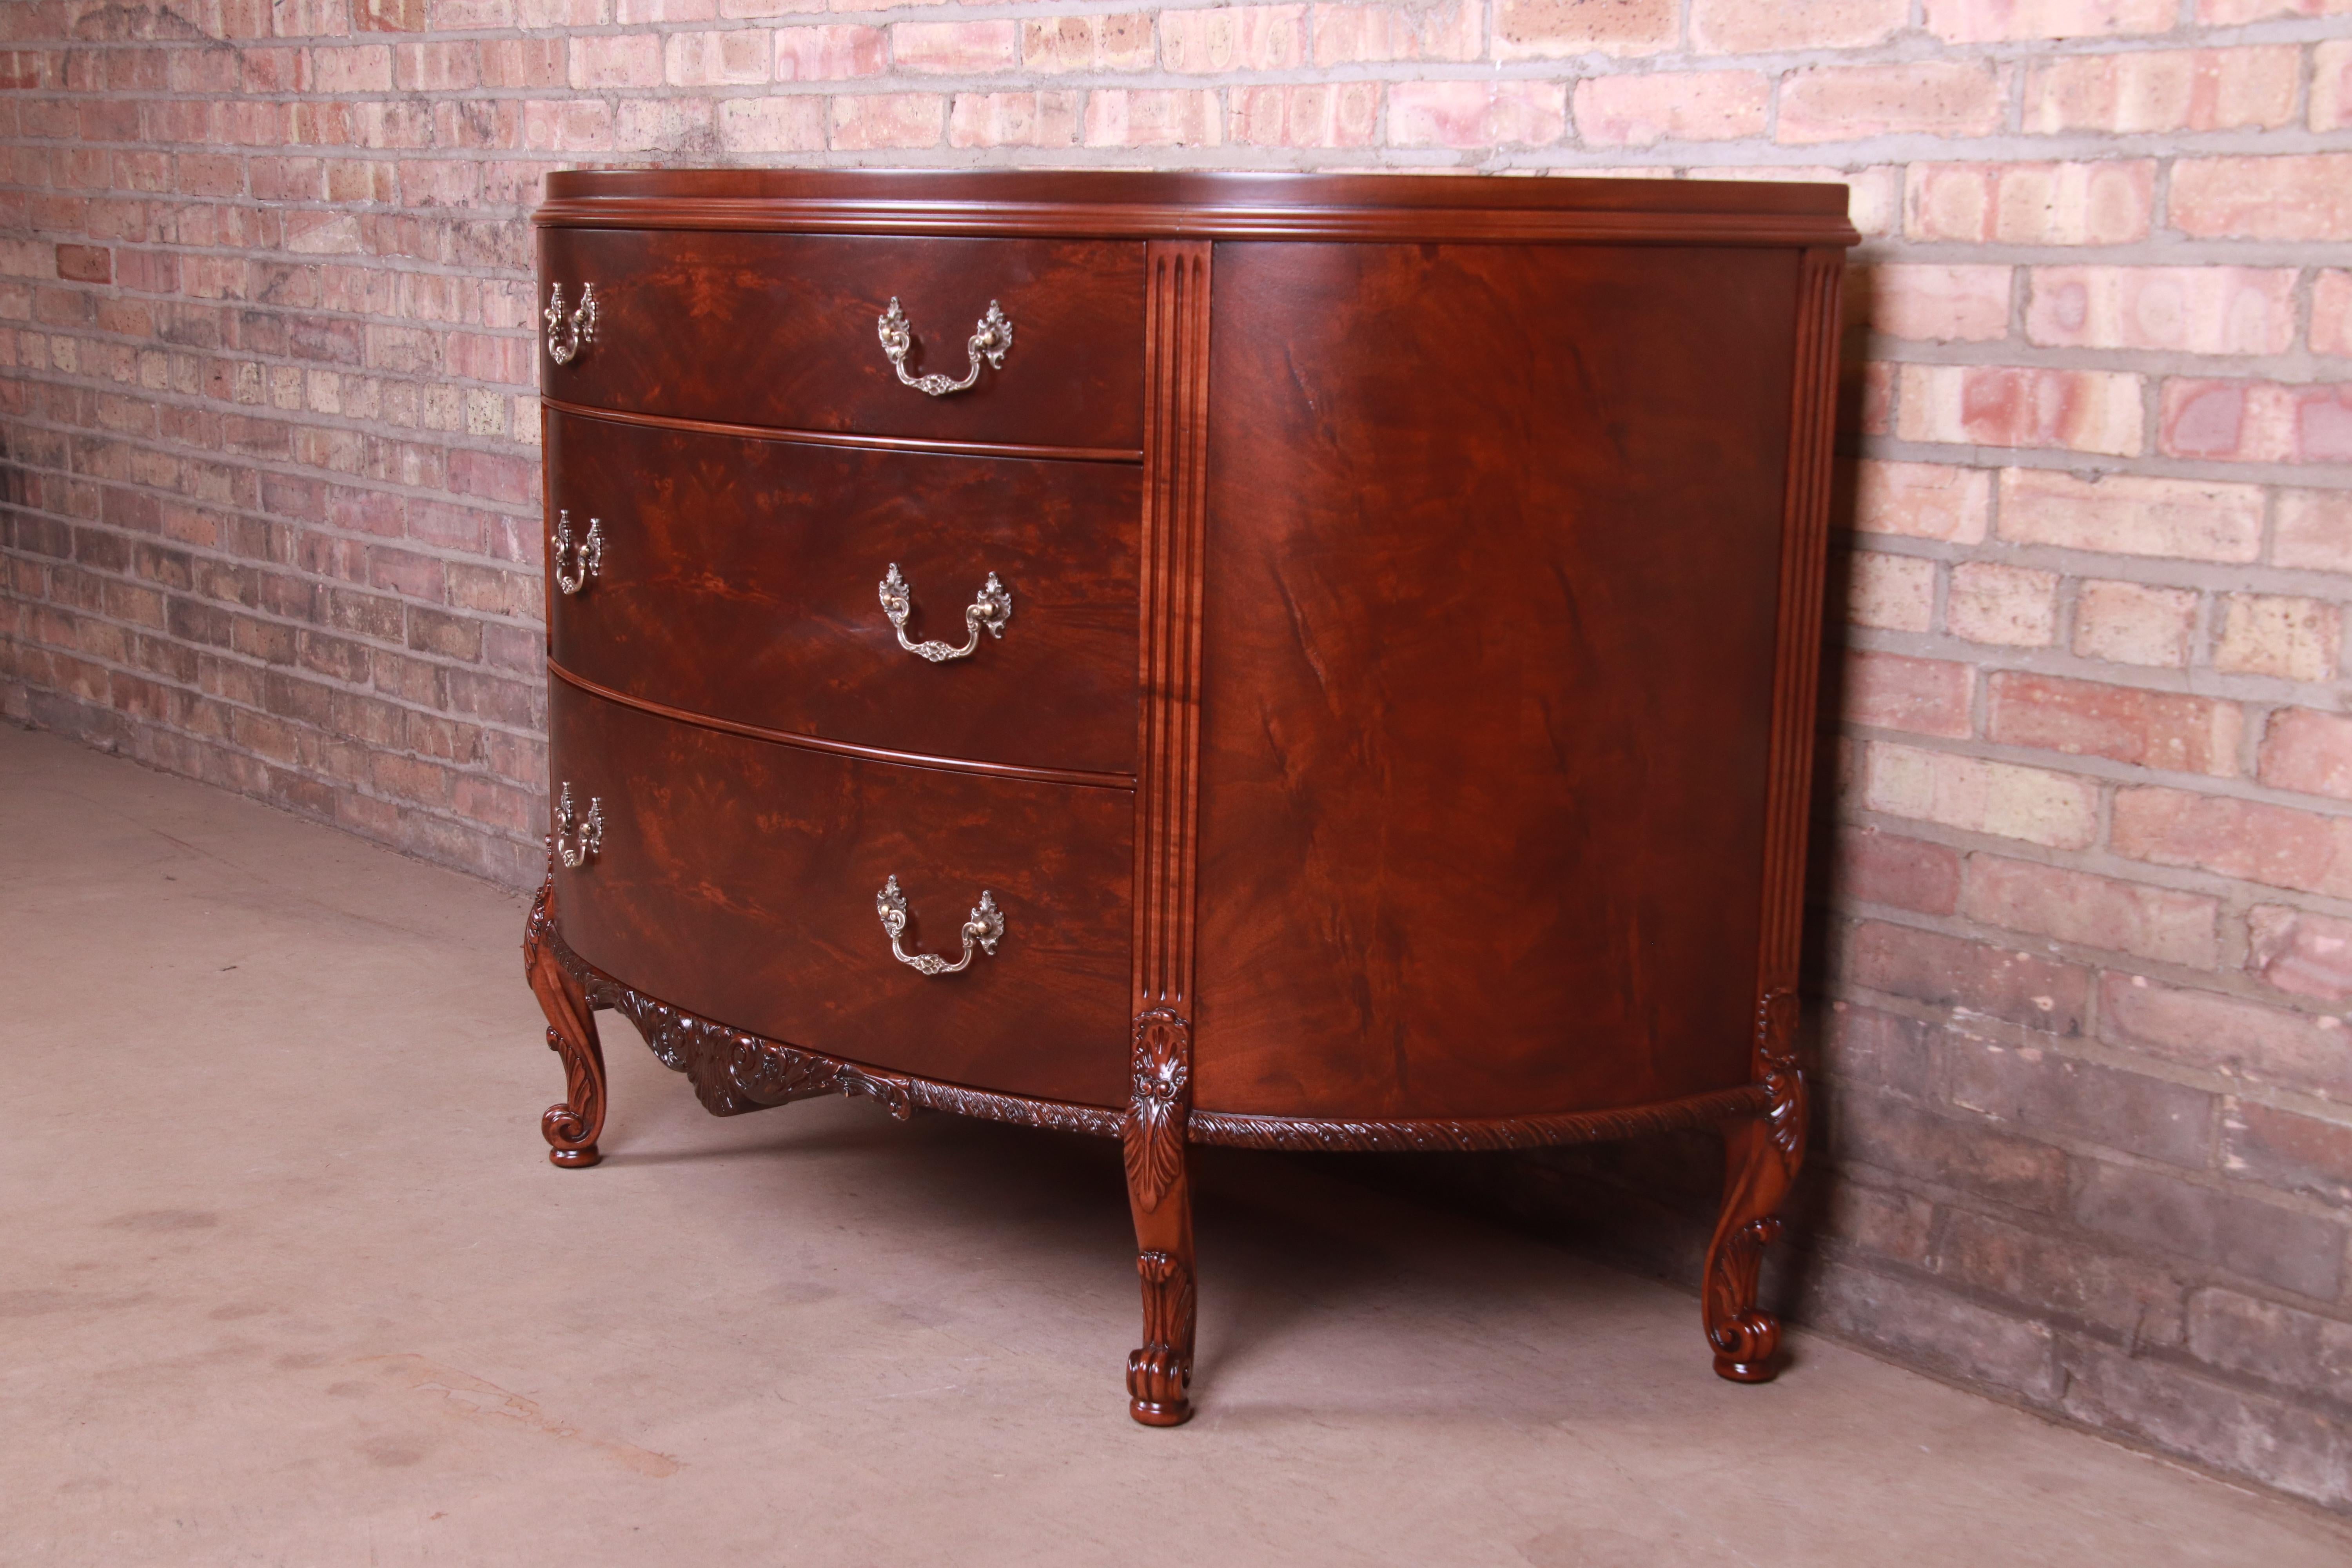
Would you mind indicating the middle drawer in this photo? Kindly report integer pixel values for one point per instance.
(741, 579)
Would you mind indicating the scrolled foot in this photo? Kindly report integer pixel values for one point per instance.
(1155, 1387)
(1761, 1156)
(572, 1124)
(1159, 1373)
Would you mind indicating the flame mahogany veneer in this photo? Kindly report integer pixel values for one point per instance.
(1399, 738)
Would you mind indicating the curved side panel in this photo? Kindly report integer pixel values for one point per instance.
(1491, 587)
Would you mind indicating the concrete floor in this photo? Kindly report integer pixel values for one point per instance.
(287, 1278)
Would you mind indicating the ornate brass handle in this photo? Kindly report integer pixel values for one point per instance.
(983, 930)
(988, 342)
(590, 555)
(988, 613)
(567, 335)
(575, 840)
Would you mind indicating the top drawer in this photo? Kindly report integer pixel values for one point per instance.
(780, 330)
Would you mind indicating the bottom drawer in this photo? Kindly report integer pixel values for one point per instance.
(736, 878)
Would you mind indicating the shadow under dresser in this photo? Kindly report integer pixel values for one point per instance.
(1313, 663)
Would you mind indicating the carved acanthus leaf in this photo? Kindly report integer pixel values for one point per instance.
(1155, 1130)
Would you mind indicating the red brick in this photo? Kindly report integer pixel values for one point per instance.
(86, 263)
(1877, 867)
(2148, 90)
(2298, 950)
(1922, 501)
(1224, 38)
(2002, 405)
(1925, 696)
(1947, 1152)
(2213, 1033)
(1947, 971)
(2109, 203)
(1992, 21)
(2056, 1273)
(2189, 310)
(829, 53)
(2331, 313)
(2192, 519)
(880, 120)
(1014, 120)
(1472, 114)
(1847, 103)
(1629, 111)
(1348, 34)
(2124, 723)
(1122, 43)
(954, 48)
(2094, 912)
(1558, 28)
(1337, 114)
(2258, 1240)
(2300, 1155)
(1937, 303)
(1866, 1044)
(2032, 1089)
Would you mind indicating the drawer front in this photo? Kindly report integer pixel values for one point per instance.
(780, 330)
(736, 879)
(741, 579)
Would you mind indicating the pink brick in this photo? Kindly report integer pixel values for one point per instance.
(2059, 811)
(869, 120)
(1556, 28)
(2300, 196)
(2274, 845)
(1937, 303)
(2307, 751)
(1130, 117)
(1929, 98)
(642, 13)
(719, 60)
(1348, 35)
(1993, 21)
(2256, 421)
(794, 123)
(2295, 950)
(829, 53)
(1877, 867)
(2235, 13)
(953, 49)
(2031, 204)
(2001, 406)
(2222, 1033)
(2167, 730)
(2142, 92)
(1922, 501)
(625, 60)
(1122, 43)
(363, 70)
(661, 124)
(2331, 86)
(522, 62)
(1925, 696)
(1013, 120)
(2315, 530)
(2277, 635)
(2093, 911)
(1233, 39)
(1893, 593)
(1337, 114)
(1473, 115)
(2185, 309)
(2331, 313)
(1628, 110)
(2130, 623)
(2124, 514)
(2009, 606)
(1747, 28)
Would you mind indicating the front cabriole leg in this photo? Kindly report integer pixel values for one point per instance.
(1158, 1192)
(573, 1123)
(1762, 1153)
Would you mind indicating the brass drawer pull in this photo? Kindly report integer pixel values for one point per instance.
(576, 840)
(988, 342)
(574, 566)
(988, 613)
(984, 929)
(567, 335)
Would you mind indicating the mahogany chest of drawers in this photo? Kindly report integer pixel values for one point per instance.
(1309, 663)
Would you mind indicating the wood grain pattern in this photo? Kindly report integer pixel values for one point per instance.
(778, 330)
(1493, 568)
(738, 877)
(740, 577)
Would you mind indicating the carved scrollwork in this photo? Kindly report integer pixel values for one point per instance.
(1155, 1129)
(1777, 1014)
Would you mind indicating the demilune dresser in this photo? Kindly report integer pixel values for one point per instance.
(1303, 663)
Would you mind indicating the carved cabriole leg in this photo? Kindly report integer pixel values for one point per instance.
(1761, 1157)
(1158, 1190)
(572, 1124)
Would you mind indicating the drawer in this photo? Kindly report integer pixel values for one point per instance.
(736, 879)
(741, 578)
(780, 330)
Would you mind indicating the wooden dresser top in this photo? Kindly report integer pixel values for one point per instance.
(1204, 206)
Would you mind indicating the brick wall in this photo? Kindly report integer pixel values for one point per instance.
(270, 521)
